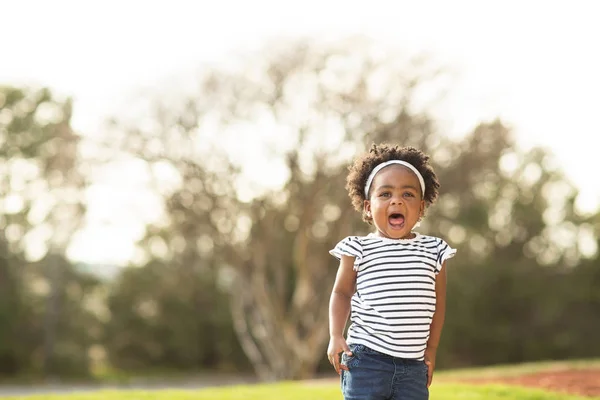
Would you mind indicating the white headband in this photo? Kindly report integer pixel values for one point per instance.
(385, 164)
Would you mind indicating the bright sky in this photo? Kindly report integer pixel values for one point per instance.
(533, 63)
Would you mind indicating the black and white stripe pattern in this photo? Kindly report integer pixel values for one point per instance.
(395, 291)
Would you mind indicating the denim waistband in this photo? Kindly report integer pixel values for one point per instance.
(361, 348)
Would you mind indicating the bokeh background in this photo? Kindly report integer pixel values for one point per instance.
(172, 178)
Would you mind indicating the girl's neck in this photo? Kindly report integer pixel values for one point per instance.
(411, 236)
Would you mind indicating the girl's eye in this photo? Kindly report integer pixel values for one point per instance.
(385, 194)
(408, 194)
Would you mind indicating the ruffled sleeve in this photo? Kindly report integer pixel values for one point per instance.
(349, 246)
(444, 252)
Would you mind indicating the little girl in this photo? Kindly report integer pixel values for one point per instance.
(392, 282)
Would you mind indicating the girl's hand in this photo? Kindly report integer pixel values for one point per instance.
(430, 362)
(337, 345)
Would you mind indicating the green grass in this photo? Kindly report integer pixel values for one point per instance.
(311, 391)
(443, 388)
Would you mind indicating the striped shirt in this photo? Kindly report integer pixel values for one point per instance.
(393, 306)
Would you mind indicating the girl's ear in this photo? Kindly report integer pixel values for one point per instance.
(367, 208)
(422, 209)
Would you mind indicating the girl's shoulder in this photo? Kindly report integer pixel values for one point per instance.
(444, 250)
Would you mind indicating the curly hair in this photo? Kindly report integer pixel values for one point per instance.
(363, 165)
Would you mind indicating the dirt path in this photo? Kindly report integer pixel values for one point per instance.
(583, 382)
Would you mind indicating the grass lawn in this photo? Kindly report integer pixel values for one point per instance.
(442, 389)
(310, 391)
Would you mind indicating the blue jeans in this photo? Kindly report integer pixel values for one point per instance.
(373, 375)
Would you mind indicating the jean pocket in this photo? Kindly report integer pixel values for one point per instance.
(423, 369)
(352, 361)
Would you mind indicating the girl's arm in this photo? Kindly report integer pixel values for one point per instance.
(339, 309)
(437, 323)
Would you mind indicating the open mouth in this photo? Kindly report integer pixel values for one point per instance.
(396, 220)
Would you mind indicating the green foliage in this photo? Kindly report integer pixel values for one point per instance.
(169, 316)
(47, 328)
(75, 319)
(13, 310)
(75, 326)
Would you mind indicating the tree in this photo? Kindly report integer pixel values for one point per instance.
(271, 245)
(42, 205)
(273, 248)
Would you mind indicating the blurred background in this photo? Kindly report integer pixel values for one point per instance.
(172, 178)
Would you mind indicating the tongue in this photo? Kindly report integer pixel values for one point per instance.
(396, 220)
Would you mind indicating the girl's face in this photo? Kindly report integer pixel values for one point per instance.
(395, 203)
